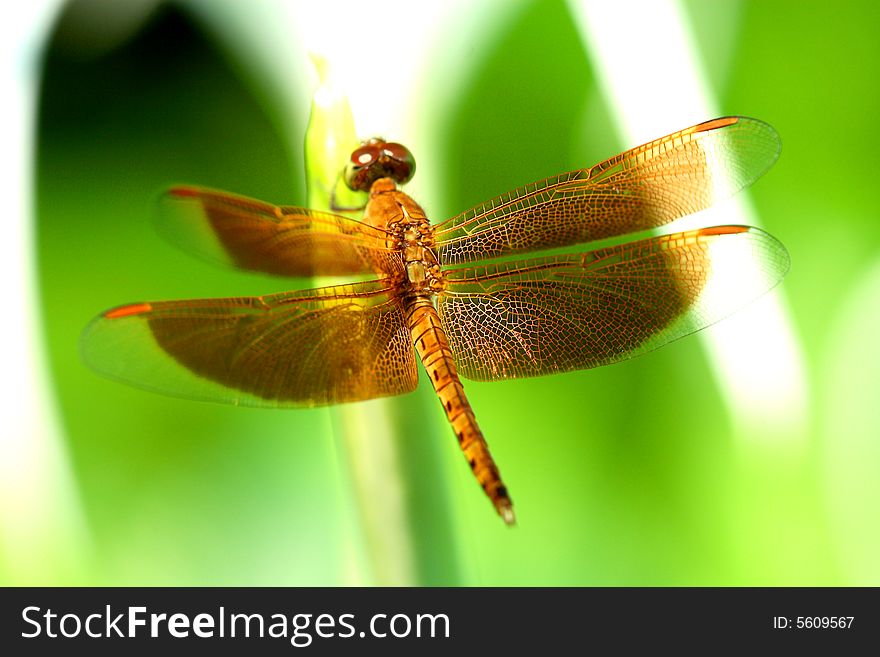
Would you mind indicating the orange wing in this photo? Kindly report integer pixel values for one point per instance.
(584, 310)
(334, 344)
(643, 188)
(279, 240)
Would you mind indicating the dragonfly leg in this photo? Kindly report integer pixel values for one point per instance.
(338, 207)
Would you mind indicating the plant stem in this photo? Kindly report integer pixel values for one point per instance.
(391, 446)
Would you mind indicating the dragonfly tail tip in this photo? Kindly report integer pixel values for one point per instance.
(507, 515)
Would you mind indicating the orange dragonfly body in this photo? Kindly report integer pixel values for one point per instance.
(509, 318)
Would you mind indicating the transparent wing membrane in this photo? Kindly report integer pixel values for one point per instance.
(584, 310)
(642, 188)
(280, 240)
(516, 319)
(335, 344)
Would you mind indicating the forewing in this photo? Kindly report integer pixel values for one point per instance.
(334, 344)
(280, 240)
(578, 311)
(642, 188)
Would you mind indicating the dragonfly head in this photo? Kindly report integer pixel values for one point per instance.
(377, 158)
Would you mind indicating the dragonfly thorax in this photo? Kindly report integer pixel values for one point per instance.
(409, 233)
(414, 237)
(425, 276)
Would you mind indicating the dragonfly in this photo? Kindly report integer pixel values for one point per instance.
(470, 296)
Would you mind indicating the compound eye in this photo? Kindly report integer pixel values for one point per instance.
(376, 159)
(359, 170)
(400, 164)
(395, 150)
(365, 155)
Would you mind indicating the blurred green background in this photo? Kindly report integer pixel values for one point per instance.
(628, 475)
